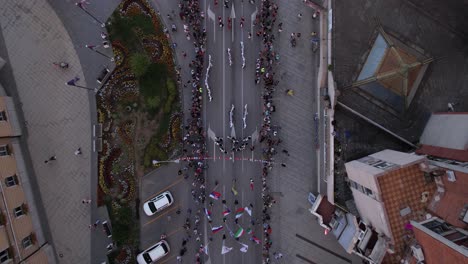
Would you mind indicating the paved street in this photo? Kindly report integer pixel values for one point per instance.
(233, 86)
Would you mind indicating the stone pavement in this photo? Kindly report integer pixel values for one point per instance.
(296, 233)
(57, 120)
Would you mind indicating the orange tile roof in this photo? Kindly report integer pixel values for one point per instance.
(436, 252)
(399, 189)
(448, 153)
(326, 210)
(453, 200)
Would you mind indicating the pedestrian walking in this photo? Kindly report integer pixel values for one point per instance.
(86, 201)
(251, 184)
(299, 15)
(283, 165)
(286, 152)
(184, 54)
(78, 152)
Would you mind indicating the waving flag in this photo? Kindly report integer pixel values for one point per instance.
(208, 214)
(255, 239)
(216, 229)
(239, 232)
(215, 195)
(226, 212)
(248, 210)
(225, 250)
(244, 248)
(233, 190)
(239, 212)
(205, 250)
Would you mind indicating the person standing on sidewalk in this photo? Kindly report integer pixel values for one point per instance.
(51, 159)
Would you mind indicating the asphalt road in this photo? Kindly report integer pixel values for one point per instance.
(231, 85)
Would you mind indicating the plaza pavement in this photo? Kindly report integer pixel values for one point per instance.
(58, 118)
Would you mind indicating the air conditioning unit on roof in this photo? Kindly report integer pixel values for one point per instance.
(451, 176)
(417, 252)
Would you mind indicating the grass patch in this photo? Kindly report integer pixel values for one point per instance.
(154, 89)
(123, 29)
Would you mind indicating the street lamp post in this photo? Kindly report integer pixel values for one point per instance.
(80, 5)
(93, 48)
(73, 81)
(166, 161)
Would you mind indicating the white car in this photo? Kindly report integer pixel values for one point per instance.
(158, 203)
(153, 253)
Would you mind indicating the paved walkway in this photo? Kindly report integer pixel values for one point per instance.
(57, 120)
(296, 233)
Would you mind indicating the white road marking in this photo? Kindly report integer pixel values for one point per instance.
(233, 16)
(252, 19)
(211, 15)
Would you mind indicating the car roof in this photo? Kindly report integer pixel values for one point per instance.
(158, 251)
(161, 201)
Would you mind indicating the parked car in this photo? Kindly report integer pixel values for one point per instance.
(153, 253)
(107, 229)
(158, 203)
(102, 77)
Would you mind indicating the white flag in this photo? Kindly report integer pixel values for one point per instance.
(248, 210)
(225, 250)
(205, 250)
(244, 248)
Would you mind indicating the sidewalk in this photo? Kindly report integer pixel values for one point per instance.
(296, 233)
(57, 120)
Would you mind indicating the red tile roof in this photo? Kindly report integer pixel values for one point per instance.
(399, 189)
(436, 252)
(454, 154)
(453, 200)
(326, 210)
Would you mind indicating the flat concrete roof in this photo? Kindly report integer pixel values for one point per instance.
(447, 130)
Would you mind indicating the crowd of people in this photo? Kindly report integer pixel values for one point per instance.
(268, 134)
(194, 139)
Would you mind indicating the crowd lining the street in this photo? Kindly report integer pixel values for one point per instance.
(194, 138)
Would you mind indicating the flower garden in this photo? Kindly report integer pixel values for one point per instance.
(139, 110)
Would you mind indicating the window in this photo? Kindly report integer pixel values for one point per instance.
(3, 116)
(369, 160)
(27, 241)
(383, 165)
(368, 191)
(4, 256)
(18, 211)
(11, 181)
(4, 150)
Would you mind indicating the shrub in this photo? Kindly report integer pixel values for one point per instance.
(122, 224)
(139, 63)
(172, 91)
(153, 103)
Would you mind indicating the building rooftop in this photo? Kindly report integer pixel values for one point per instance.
(326, 210)
(445, 136)
(392, 71)
(403, 193)
(438, 249)
(450, 204)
